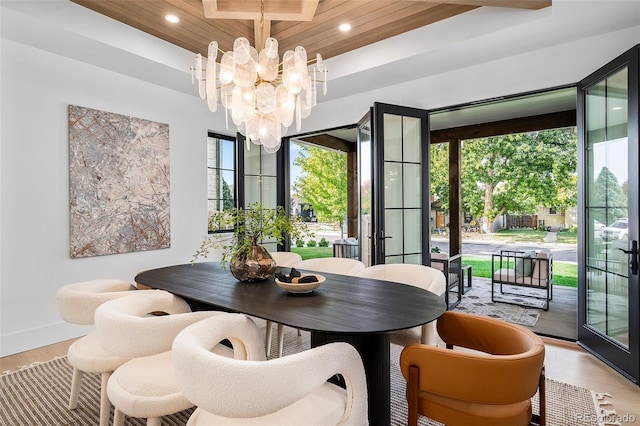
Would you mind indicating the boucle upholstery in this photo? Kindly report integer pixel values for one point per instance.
(331, 265)
(425, 277)
(247, 390)
(285, 258)
(145, 386)
(77, 303)
(490, 385)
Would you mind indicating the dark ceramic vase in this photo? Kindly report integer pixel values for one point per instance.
(256, 267)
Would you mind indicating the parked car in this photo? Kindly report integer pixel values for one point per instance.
(618, 230)
(597, 226)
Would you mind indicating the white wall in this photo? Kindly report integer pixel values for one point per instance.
(37, 88)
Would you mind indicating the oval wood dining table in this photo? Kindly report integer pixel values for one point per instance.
(360, 311)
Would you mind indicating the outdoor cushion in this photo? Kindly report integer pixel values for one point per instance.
(524, 264)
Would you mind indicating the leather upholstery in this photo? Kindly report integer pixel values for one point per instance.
(490, 385)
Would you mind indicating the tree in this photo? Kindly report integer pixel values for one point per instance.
(439, 173)
(323, 182)
(485, 169)
(518, 173)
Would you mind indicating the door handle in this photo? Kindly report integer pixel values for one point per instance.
(633, 263)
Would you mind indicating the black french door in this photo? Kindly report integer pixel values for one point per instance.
(609, 182)
(393, 171)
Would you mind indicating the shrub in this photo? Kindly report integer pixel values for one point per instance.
(323, 242)
(312, 243)
(299, 243)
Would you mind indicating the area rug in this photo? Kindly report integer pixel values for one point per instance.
(477, 300)
(38, 395)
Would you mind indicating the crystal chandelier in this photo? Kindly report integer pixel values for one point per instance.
(262, 93)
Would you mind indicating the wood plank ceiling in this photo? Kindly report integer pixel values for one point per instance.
(371, 20)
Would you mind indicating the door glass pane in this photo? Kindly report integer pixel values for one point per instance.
(412, 184)
(607, 208)
(364, 175)
(392, 137)
(251, 190)
(411, 139)
(269, 163)
(252, 160)
(392, 185)
(412, 239)
(393, 232)
(269, 197)
(413, 258)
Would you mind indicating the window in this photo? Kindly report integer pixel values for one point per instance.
(467, 217)
(221, 174)
(552, 211)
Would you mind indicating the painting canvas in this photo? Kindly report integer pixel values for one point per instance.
(118, 183)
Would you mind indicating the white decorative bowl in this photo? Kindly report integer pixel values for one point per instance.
(302, 287)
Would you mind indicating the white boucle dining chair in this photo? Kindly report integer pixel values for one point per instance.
(332, 265)
(142, 327)
(247, 390)
(285, 259)
(422, 276)
(77, 304)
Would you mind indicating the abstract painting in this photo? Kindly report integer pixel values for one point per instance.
(118, 183)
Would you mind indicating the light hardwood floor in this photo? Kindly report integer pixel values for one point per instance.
(564, 362)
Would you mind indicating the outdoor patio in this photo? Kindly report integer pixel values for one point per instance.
(559, 321)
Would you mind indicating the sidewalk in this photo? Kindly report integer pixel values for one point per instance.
(551, 237)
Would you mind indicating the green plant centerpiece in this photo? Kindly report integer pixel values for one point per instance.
(241, 249)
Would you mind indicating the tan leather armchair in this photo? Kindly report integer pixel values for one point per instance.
(492, 384)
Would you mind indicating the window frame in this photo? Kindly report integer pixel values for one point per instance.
(220, 170)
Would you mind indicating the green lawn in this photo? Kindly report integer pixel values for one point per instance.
(568, 237)
(521, 235)
(564, 274)
(313, 252)
(530, 235)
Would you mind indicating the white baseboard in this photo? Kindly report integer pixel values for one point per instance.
(26, 340)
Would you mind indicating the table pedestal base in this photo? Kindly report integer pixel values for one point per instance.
(374, 351)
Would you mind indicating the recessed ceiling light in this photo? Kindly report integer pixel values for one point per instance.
(344, 27)
(172, 18)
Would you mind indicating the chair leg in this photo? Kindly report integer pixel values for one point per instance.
(280, 339)
(412, 396)
(154, 421)
(423, 335)
(105, 405)
(76, 381)
(267, 340)
(542, 393)
(118, 417)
